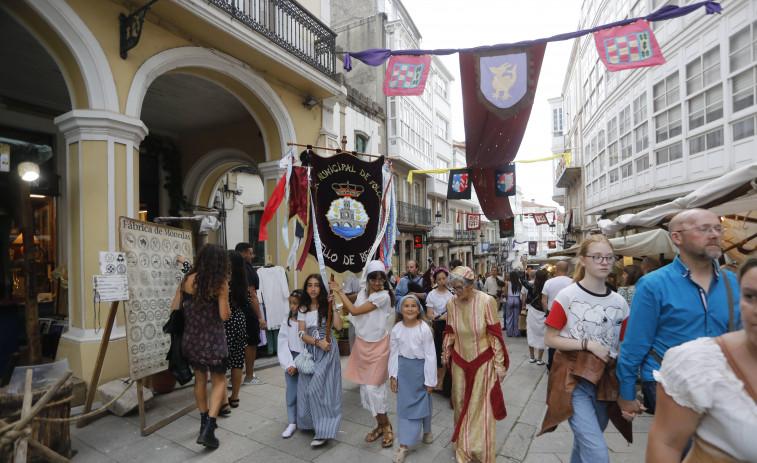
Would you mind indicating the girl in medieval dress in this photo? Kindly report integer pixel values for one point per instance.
(369, 358)
(412, 369)
(475, 353)
(319, 396)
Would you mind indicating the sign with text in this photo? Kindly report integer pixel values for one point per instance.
(153, 274)
(109, 288)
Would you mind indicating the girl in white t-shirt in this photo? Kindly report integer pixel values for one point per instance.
(289, 347)
(436, 310)
(586, 316)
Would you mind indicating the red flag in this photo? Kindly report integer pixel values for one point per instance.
(541, 219)
(473, 222)
(270, 208)
(628, 47)
(406, 75)
(498, 91)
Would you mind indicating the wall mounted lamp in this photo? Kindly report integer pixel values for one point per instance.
(28, 171)
(309, 102)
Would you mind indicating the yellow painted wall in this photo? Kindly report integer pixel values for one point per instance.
(82, 357)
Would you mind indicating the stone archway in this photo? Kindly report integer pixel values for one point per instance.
(196, 57)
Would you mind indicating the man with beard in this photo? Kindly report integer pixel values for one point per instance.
(682, 301)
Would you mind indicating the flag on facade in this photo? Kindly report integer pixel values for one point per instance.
(459, 186)
(551, 244)
(498, 92)
(541, 218)
(473, 221)
(507, 227)
(628, 47)
(505, 181)
(406, 75)
(347, 196)
(532, 248)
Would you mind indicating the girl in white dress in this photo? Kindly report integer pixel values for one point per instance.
(436, 310)
(412, 369)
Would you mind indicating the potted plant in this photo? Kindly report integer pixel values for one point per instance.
(343, 337)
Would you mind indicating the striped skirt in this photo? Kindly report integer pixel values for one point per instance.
(319, 396)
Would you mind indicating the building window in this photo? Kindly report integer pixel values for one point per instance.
(641, 135)
(706, 141)
(670, 153)
(640, 109)
(706, 107)
(602, 182)
(665, 92)
(602, 161)
(625, 147)
(668, 124)
(361, 143)
(441, 87)
(601, 140)
(442, 127)
(626, 170)
(703, 71)
(742, 46)
(557, 122)
(642, 163)
(253, 230)
(743, 89)
(624, 120)
(612, 153)
(613, 176)
(743, 129)
(612, 130)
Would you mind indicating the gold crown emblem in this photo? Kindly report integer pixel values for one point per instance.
(347, 189)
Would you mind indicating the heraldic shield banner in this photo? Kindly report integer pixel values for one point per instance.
(347, 203)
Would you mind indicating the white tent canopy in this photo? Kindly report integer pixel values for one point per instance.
(733, 193)
(648, 243)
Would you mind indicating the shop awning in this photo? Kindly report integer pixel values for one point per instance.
(648, 243)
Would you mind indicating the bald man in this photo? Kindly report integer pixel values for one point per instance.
(682, 301)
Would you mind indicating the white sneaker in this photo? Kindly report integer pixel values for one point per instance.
(318, 442)
(255, 380)
(289, 430)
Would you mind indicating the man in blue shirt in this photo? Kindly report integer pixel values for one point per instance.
(680, 302)
(411, 275)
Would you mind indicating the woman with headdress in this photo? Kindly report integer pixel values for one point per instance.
(475, 353)
(368, 364)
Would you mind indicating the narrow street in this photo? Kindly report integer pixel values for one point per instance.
(252, 433)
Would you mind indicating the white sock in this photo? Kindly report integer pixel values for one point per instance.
(289, 430)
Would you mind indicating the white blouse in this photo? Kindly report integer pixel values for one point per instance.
(310, 318)
(696, 375)
(438, 301)
(371, 326)
(413, 343)
(288, 342)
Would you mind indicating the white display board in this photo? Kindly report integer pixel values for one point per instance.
(153, 275)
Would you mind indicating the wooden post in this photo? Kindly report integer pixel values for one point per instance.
(29, 270)
(22, 444)
(95, 380)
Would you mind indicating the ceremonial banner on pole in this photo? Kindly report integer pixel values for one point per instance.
(628, 47)
(505, 181)
(459, 186)
(498, 92)
(532, 248)
(507, 227)
(406, 75)
(347, 196)
(473, 222)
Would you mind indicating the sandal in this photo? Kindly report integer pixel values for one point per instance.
(399, 457)
(373, 435)
(233, 403)
(428, 437)
(388, 440)
(225, 409)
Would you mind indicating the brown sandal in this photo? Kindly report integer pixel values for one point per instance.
(375, 434)
(388, 440)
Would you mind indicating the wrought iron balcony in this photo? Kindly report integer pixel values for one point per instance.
(465, 235)
(290, 26)
(412, 214)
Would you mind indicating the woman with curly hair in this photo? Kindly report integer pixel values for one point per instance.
(319, 395)
(205, 301)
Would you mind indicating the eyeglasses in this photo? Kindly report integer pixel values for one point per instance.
(705, 229)
(599, 259)
(458, 288)
(376, 280)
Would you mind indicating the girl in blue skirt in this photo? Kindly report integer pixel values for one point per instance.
(412, 369)
(289, 347)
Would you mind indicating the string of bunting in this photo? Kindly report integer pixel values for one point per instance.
(565, 156)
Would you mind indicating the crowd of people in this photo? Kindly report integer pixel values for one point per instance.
(678, 340)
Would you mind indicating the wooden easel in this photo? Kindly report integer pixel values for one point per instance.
(144, 429)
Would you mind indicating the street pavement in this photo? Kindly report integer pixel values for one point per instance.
(252, 433)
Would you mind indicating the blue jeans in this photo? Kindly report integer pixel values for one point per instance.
(588, 422)
(650, 395)
(291, 392)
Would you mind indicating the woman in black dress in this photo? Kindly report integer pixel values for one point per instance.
(205, 301)
(236, 326)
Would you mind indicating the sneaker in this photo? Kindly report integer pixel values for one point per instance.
(531, 360)
(289, 431)
(318, 442)
(540, 362)
(255, 380)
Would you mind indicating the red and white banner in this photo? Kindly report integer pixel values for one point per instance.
(628, 47)
(473, 222)
(541, 219)
(406, 75)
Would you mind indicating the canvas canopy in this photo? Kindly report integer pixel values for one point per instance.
(648, 243)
